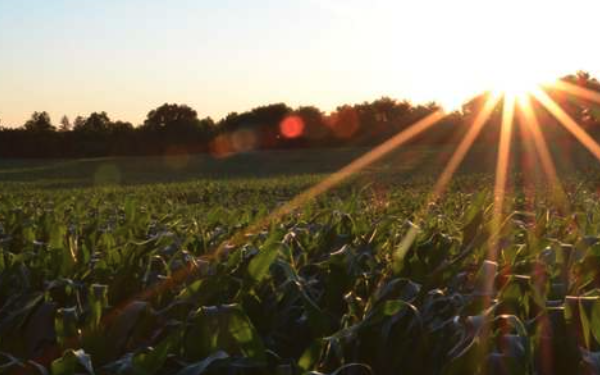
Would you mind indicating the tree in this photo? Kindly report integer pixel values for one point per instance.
(120, 127)
(65, 124)
(269, 116)
(175, 126)
(173, 117)
(583, 79)
(96, 123)
(78, 122)
(344, 122)
(40, 123)
(314, 123)
(208, 124)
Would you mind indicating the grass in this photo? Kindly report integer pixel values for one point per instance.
(129, 266)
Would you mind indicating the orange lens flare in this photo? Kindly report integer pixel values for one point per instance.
(292, 127)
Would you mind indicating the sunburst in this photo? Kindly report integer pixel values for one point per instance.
(515, 95)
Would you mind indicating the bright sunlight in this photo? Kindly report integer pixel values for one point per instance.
(510, 46)
(517, 84)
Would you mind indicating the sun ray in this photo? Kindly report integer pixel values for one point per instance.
(490, 266)
(531, 172)
(567, 121)
(451, 168)
(581, 92)
(501, 173)
(541, 146)
(464, 146)
(528, 156)
(532, 125)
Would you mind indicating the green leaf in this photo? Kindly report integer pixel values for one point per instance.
(149, 362)
(225, 328)
(581, 310)
(311, 355)
(404, 246)
(98, 299)
(130, 210)
(260, 264)
(57, 237)
(72, 362)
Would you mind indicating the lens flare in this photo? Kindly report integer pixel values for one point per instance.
(292, 127)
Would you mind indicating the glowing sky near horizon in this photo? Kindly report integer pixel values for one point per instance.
(126, 57)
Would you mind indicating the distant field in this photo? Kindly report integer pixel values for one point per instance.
(420, 161)
(177, 168)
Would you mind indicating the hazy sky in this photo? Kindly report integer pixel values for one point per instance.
(128, 56)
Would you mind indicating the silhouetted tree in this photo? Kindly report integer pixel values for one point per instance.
(315, 128)
(78, 122)
(39, 123)
(263, 121)
(120, 127)
(173, 117)
(65, 124)
(587, 112)
(95, 123)
(583, 79)
(176, 128)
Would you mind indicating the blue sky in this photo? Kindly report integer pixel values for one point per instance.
(128, 56)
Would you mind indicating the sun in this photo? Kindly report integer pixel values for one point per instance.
(517, 78)
(515, 85)
(503, 77)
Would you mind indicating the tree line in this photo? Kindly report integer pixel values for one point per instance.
(177, 128)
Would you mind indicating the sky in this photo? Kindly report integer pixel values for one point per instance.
(126, 57)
